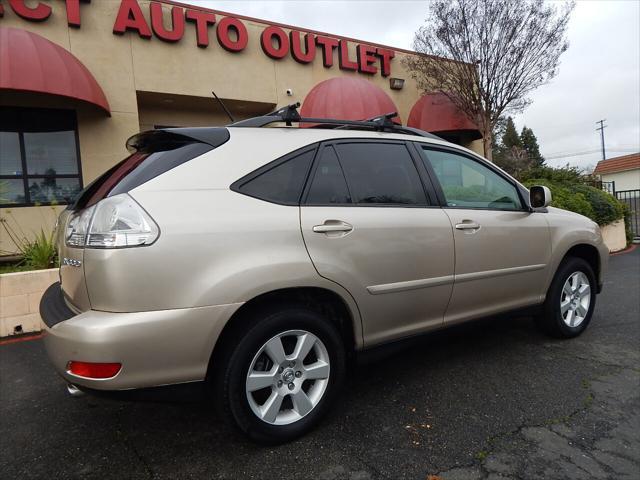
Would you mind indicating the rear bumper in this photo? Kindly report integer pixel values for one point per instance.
(53, 308)
(155, 347)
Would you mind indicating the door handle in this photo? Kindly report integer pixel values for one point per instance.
(330, 226)
(467, 225)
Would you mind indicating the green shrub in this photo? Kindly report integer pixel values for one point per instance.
(40, 253)
(627, 223)
(555, 175)
(606, 207)
(591, 202)
(37, 251)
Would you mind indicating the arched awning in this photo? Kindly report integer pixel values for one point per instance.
(436, 113)
(31, 63)
(347, 98)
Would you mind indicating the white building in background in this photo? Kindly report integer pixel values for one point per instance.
(624, 171)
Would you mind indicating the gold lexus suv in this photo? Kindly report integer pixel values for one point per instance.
(261, 261)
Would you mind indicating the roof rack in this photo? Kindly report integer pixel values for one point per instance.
(289, 115)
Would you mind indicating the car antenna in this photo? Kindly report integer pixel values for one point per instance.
(226, 110)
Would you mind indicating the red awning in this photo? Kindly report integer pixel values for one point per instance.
(347, 98)
(436, 113)
(31, 63)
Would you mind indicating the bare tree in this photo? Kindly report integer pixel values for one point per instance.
(499, 51)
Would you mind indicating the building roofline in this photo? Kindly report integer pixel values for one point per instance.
(293, 27)
(623, 163)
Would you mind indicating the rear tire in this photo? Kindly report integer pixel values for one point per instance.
(570, 301)
(275, 395)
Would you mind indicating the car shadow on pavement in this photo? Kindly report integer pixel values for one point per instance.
(435, 404)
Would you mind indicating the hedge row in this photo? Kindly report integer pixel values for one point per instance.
(601, 207)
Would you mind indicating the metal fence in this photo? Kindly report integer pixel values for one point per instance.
(632, 199)
(609, 187)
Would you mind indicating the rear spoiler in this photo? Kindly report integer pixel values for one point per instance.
(171, 138)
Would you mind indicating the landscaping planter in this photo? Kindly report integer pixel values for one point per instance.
(20, 295)
(614, 236)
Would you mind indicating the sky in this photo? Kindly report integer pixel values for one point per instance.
(599, 75)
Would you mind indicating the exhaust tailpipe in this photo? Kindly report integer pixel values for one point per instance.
(74, 391)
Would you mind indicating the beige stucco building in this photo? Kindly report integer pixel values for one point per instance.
(77, 79)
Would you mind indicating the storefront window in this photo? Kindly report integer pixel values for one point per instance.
(39, 160)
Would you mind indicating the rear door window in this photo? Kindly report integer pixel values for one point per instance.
(381, 174)
(328, 186)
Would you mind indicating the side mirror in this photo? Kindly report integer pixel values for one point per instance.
(539, 196)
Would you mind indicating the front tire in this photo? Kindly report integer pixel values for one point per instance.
(283, 374)
(570, 301)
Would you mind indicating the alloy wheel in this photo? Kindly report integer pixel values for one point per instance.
(287, 377)
(575, 299)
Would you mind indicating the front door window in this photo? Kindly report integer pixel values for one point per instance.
(469, 184)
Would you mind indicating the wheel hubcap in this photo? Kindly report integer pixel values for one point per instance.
(287, 377)
(575, 299)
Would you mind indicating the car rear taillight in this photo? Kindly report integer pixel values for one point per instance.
(93, 370)
(77, 228)
(120, 222)
(113, 222)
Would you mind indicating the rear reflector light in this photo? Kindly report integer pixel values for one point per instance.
(94, 370)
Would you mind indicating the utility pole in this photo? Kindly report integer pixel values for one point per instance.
(601, 128)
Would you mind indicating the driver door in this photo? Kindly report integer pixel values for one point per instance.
(502, 249)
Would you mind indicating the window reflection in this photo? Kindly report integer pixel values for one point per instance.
(39, 161)
(51, 151)
(11, 162)
(53, 190)
(12, 192)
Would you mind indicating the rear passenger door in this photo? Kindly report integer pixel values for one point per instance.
(369, 225)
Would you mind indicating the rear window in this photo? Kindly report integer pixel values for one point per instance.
(155, 157)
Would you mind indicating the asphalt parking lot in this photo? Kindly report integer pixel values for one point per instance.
(495, 399)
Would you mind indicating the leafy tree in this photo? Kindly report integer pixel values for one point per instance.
(498, 50)
(530, 144)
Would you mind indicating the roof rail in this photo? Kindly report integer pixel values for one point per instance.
(289, 115)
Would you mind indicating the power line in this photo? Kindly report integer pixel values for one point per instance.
(620, 147)
(615, 148)
(587, 152)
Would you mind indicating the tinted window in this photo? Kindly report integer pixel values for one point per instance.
(155, 163)
(282, 183)
(469, 184)
(328, 185)
(381, 173)
(139, 167)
